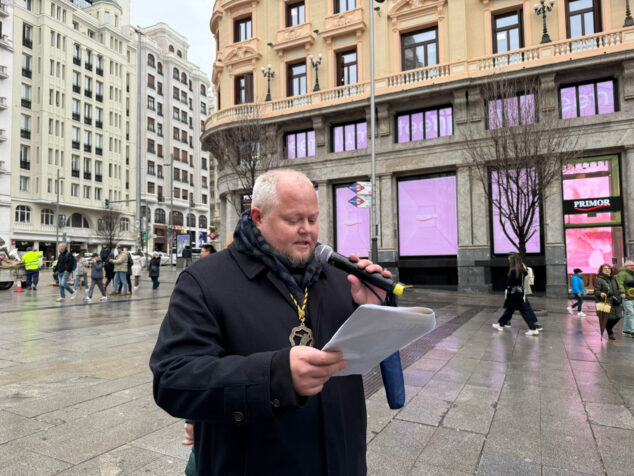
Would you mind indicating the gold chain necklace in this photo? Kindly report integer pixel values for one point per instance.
(301, 335)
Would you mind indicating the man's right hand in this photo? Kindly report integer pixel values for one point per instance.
(622, 295)
(311, 368)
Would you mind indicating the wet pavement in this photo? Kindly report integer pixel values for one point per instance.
(76, 396)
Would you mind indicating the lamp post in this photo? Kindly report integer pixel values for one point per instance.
(629, 21)
(316, 65)
(268, 74)
(57, 186)
(542, 10)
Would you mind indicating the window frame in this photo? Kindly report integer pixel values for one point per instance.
(348, 7)
(301, 6)
(576, 85)
(424, 44)
(423, 112)
(520, 26)
(356, 135)
(247, 89)
(343, 67)
(597, 19)
(238, 24)
(290, 78)
(296, 133)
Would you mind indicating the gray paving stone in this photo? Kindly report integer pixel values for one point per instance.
(516, 441)
(441, 389)
(417, 377)
(427, 363)
(615, 446)
(424, 469)
(440, 354)
(446, 444)
(401, 439)
(162, 441)
(381, 465)
(610, 415)
(425, 409)
(123, 460)
(547, 471)
(163, 466)
(14, 426)
(492, 464)
(474, 417)
(22, 462)
(571, 451)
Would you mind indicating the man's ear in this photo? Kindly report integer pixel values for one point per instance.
(256, 216)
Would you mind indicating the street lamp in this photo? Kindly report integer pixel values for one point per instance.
(316, 65)
(268, 74)
(545, 8)
(629, 21)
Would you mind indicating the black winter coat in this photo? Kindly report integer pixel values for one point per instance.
(227, 319)
(154, 268)
(609, 286)
(65, 262)
(104, 254)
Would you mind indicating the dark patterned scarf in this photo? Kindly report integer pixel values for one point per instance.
(248, 240)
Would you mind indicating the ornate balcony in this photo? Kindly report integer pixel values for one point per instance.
(243, 52)
(343, 23)
(294, 36)
(562, 51)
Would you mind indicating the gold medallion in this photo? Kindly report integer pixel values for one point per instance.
(302, 335)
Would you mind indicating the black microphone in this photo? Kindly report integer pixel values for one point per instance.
(325, 254)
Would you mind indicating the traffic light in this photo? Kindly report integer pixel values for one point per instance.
(107, 203)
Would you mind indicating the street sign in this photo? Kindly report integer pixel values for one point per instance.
(213, 235)
(363, 197)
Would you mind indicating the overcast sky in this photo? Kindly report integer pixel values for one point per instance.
(188, 17)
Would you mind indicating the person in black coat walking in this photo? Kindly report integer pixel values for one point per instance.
(187, 255)
(606, 289)
(229, 353)
(154, 270)
(65, 267)
(104, 254)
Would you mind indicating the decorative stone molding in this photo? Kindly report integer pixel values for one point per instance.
(628, 80)
(475, 105)
(460, 106)
(548, 93)
(231, 6)
(292, 37)
(344, 23)
(384, 124)
(242, 53)
(410, 13)
(320, 130)
(216, 17)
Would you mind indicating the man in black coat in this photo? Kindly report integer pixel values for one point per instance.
(105, 253)
(65, 267)
(224, 356)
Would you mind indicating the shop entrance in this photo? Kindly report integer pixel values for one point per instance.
(593, 216)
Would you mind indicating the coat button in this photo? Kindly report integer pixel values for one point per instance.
(275, 403)
(238, 417)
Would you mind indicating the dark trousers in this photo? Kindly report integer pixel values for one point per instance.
(99, 284)
(610, 325)
(32, 277)
(578, 302)
(108, 280)
(517, 303)
(529, 308)
(155, 282)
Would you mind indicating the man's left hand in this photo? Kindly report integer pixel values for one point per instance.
(360, 293)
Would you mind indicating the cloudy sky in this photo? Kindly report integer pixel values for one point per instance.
(188, 17)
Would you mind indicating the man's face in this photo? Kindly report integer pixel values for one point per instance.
(291, 226)
(630, 265)
(204, 253)
(61, 248)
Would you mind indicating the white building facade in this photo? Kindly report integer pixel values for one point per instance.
(6, 74)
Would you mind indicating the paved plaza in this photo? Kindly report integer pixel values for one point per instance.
(76, 392)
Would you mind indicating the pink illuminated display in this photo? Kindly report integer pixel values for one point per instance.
(350, 137)
(427, 217)
(516, 111)
(353, 225)
(300, 144)
(591, 187)
(428, 125)
(588, 248)
(501, 244)
(587, 99)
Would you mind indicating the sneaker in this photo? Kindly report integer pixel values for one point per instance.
(34, 288)
(73, 296)
(532, 332)
(581, 314)
(538, 327)
(60, 299)
(497, 326)
(88, 300)
(611, 336)
(104, 298)
(569, 309)
(508, 324)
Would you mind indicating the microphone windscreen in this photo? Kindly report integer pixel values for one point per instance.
(322, 253)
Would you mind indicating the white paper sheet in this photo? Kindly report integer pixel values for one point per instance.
(374, 332)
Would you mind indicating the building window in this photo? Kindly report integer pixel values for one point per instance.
(124, 224)
(150, 60)
(349, 136)
(86, 192)
(344, 5)
(295, 14)
(27, 62)
(296, 79)
(150, 103)
(27, 35)
(74, 190)
(423, 125)
(347, 67)
(22, 214)
(511, 112)
(159, 214)
(202, 221)
(419, 49)
(204, 199)
(47, 217)
(150, 187)
(508, 32)
(244, 89)
(588, 99)
(24, 183)
(25, 157)
(242, 29)
(300, 144)
(583, 17)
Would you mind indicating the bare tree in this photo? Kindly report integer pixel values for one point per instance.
(520, 155)
(247, 148)
(109, 228)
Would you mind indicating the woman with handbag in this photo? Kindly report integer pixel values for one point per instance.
(606, 290)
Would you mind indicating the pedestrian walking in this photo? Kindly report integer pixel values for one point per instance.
(187, 255)
(137, 267)
(104, 254)
(207, 250)
(606, 289)
(66, 263)
(154, 269)
(120, 271)
(31, 260)
(578, 290)
(108, 267)
(81, 272)
(96, 278)
(515, 298)
(626, 290)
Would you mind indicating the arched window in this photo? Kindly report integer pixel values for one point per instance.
(159, 216)
(203, 90)
(77, 220)
(191, 220)
(150, 60)
(202, 221)
(171, 48)
(177, 219)
(124, 224)
(183, 78)
(22, 214)
(159, 68)
(179, 54)
(47, 216)
(177, 74)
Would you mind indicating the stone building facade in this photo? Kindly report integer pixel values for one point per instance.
(6, 102)
(435, 223)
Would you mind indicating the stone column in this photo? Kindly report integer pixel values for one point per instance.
(555, 249)
(388, 221)
(326, 223)
(231, 216)
(473, 243)
(627, 179)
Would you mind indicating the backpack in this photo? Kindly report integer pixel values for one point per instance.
(530, 276)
